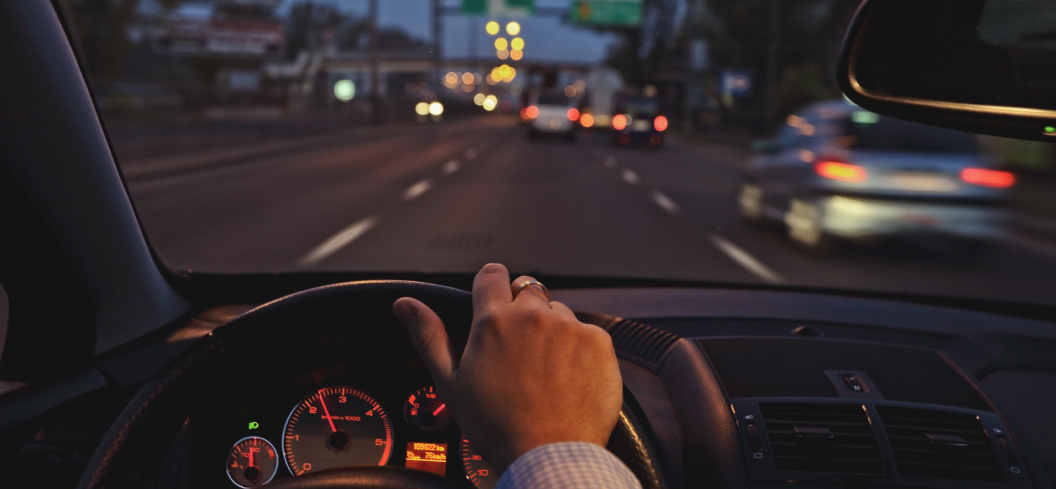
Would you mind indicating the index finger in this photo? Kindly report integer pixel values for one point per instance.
(491, 287)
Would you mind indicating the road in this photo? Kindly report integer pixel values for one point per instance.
(452, 196)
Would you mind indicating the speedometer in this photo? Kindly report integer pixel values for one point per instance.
(336, 427)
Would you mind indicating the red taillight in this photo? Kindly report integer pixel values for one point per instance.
(573, 115)
(619, 121)
(988, 178)
(840, 171)
(660, 123)
(532, 112)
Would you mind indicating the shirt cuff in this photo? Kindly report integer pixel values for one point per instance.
(568, 465)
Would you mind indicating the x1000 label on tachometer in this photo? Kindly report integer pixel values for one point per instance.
(336, 427)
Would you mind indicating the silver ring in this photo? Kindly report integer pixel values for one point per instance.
(533, 282)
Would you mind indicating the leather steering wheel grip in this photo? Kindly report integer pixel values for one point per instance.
(368, 478)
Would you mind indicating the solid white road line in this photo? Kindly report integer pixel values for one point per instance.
(630, 177)
(745, 260)
(416, 190)
(610, 162)
(451, 167)
(338, 241)
(665, 202)
(471, 154)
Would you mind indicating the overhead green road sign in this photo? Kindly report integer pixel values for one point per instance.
(616, 13)
(499, 8)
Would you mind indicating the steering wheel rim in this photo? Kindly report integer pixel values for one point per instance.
(131, 453)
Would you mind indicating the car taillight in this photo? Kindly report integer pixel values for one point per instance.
(988, 178)
(619, 122)
(573, 114)
(660, 123)
(532, 112)
(840, 171)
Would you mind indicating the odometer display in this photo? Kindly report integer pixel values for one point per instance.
(336, 427)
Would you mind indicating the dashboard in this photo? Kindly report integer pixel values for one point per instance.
(379, 410)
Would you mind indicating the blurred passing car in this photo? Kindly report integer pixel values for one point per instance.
(638, 121)
(551, 113)
(836, 170)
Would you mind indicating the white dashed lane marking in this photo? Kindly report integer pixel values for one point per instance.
(471, 154)
(610, 162)
(416, 190)
(451, 167)
(629, 177)
(746, 260)
(338, 241)
(665, 202)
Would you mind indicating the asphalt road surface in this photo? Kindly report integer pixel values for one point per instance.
(451, 196)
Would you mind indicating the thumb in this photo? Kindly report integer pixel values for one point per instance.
(429, 337)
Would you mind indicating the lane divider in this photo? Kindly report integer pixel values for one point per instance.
(338, 241)
(665, 202)
(416, 190)
(451, 167)
(630, 177)
(610, 162)
(746, 260)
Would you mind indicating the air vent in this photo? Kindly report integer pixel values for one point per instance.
(50, 465)
(643, 344)
(930, 443)
(822, 438)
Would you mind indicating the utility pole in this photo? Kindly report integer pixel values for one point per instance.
(437, 41)
(375, 86)
(773, 60)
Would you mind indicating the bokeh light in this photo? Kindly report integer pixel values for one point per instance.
(478, 99)
(492, 27)
(490, 102)
(501, 44)
(516, 54)
(586, 120)
(517, 43)
(467, 78)
(513, 28)
(436, 108)
(344, 90)
(422, 108)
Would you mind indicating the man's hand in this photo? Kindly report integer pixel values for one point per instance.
(531, 374)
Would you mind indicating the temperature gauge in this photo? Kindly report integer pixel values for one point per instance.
(252, 462)
(426, 411)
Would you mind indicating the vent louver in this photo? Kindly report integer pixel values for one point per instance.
(939, 444)
(642, 343)
(821, 438)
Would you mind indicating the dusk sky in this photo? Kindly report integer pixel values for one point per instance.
(546, 38)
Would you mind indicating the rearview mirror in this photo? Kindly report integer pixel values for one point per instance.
(985, 66)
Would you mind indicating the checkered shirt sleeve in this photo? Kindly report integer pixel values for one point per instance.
(568, 465)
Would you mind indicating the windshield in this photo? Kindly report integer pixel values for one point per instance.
(889, 134)
(398, 136)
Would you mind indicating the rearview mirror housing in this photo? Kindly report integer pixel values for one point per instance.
(984, 66)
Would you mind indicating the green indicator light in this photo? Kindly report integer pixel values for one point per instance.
(1050, 130)
(254, 425)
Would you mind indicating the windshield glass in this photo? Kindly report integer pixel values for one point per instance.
(261, 136)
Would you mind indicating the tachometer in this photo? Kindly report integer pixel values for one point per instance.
(336, 427)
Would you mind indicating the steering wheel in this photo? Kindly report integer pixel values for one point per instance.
(130, 455)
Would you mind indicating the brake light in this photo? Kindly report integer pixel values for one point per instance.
(619, 122)
(988, 178)
(660, 123)
(840, 171)
(532, 112)
(573, 114)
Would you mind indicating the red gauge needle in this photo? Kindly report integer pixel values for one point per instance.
(441, 408)
(327, 412)
(251, 450)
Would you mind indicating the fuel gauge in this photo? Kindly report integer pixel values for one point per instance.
(426, 411)
(252, 462)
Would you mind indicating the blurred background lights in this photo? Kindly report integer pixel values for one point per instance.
(501, 43)
(493, 27)
(490, 102)
(422, 108)
(517, 43)
(516, 54)
(436, 108)
(478, 99)
(513, 28)
(344, 90)
(502, 54)
(467, 78)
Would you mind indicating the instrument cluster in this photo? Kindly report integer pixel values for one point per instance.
(270, 432)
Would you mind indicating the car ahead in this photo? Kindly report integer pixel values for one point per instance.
(638, 121)
(551, 113)
(838, 171)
